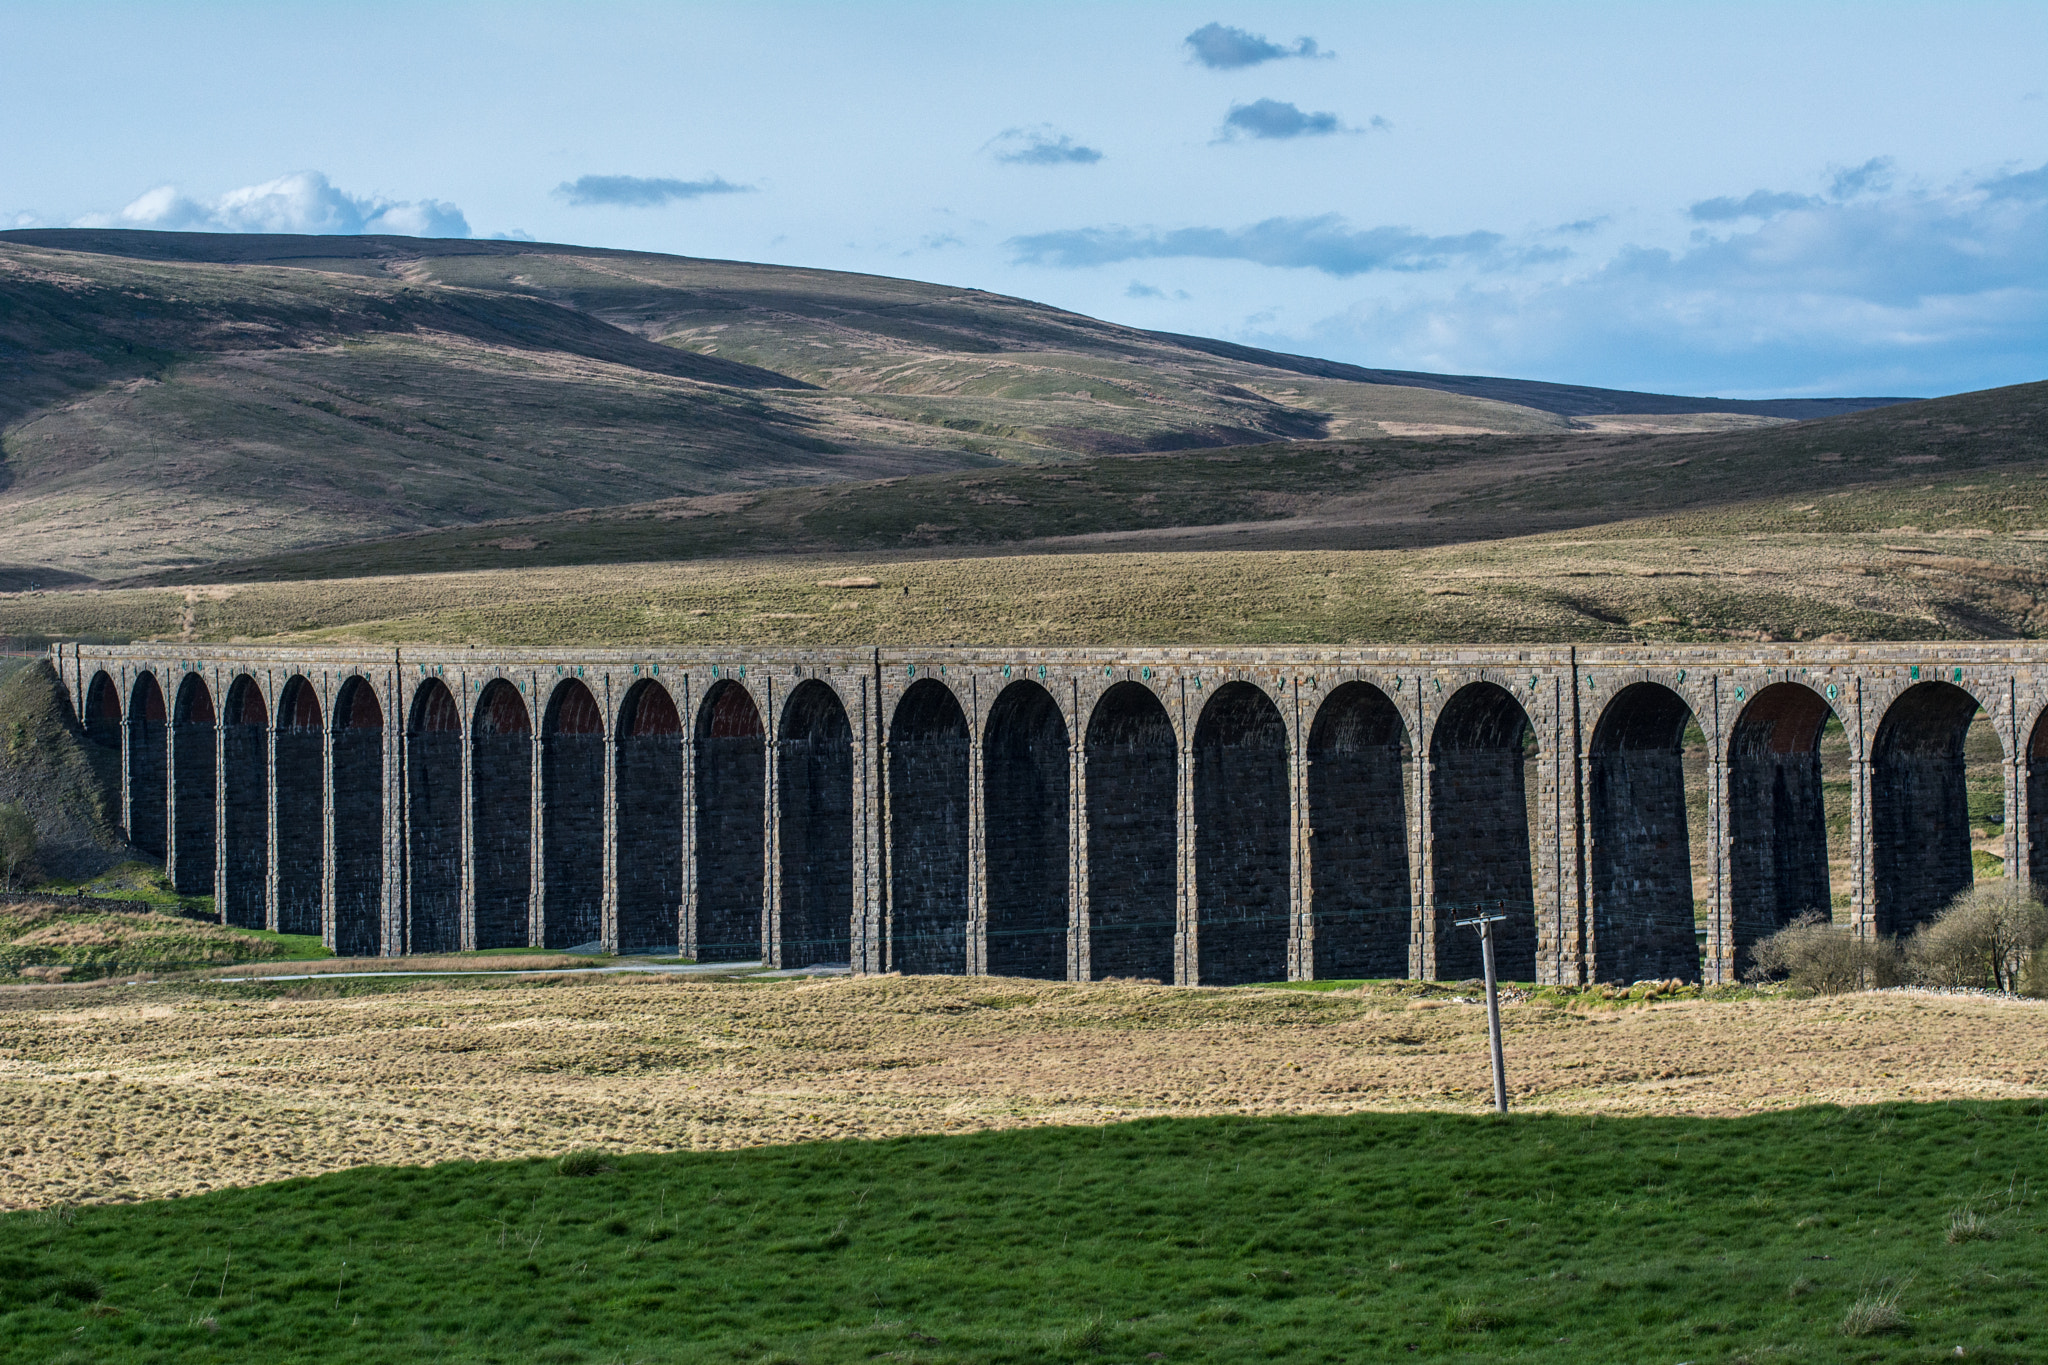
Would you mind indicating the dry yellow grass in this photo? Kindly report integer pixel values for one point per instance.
(115, 1093)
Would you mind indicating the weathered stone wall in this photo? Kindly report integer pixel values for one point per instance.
(1085, 812)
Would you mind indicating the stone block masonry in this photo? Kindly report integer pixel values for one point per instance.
(1192, 815)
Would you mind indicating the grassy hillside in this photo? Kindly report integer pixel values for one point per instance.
(173, 400)
(68, 785)
(1889, 1234)
(1873, 471)
(52, 940)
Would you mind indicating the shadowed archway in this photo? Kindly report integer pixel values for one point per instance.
(1479, 827)
(1025, 811)
(732, 774)
(1777, 815)
(301, 765)
(572, 818)
(1360, 905)
(359, 821)
(195, 788)
(245, 805)
(433, 794)
(1920, 807)
(1639, 853)
(815, 765)
(928, 761)
(102, 718)
(1241, 838)
(1133, 772)
(501, 816)
(648, 787)
(148, 767)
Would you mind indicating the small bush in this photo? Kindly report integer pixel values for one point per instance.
(1813, 954)
(1987, 938)
(585, 1163)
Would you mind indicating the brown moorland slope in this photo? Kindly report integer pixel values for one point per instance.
(172, 400)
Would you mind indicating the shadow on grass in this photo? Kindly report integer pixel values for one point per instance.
(1371, 1236)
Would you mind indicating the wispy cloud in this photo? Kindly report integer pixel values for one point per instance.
(1323, 243)
(640, 192)
(1276, 119)
(1221, 48)
(301, 202)
(1138, 289)
(1040, 146)
(1909, 291)
(1761, 204)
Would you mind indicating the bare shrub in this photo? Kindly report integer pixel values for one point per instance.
(1987, 938)
(1813, 954)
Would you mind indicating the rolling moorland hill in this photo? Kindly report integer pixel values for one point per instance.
(172, 401)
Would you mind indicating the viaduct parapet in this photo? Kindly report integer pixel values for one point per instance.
(1189, 814)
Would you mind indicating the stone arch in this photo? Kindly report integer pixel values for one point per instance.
(245, 806)
(1133, 771)
(1639, 854)
(572, 817)
(1242, 823)
(1920, 806)
(1360, 907)
(1024, 782)
(2036, 778)
(102, 720)
(358, 727)
(195, 788)
(433, 794)
(1777, 814)
(501, 816)
(732, 774)
(1480, 831)
(814, 747)
(148, 767)
(648, 788)
(300, 763)
(928, 831)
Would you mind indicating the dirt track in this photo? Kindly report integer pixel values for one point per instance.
(126, 1092)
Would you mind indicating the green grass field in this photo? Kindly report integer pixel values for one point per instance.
(1897, 1233)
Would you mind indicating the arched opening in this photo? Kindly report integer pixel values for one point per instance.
(433, 794)
(1480, 831)
(103, 712)
(1241, 838)
(301, 774)
(501, 816)
(2036, 832)
(1361, 911)
(732, 774)
(358, 820)
(1778, 814)
(1920, 806)
(649, 790)
(1640, 853)
(815, 759)
(1024, 810)
(928, 832)
(195, 775)
(572, 818)
(1132, 772)
(148, 768)
(245, 805)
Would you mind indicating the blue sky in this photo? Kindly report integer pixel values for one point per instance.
(1750, 200)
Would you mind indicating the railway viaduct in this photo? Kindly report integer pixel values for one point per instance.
(1187, 814)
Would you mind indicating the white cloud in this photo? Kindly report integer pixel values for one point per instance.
(1889, 292)
(304, 202)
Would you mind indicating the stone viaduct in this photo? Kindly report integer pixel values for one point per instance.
(1185, 814)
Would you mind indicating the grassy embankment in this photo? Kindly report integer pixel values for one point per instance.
(45, 940)
(1894, 1233)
